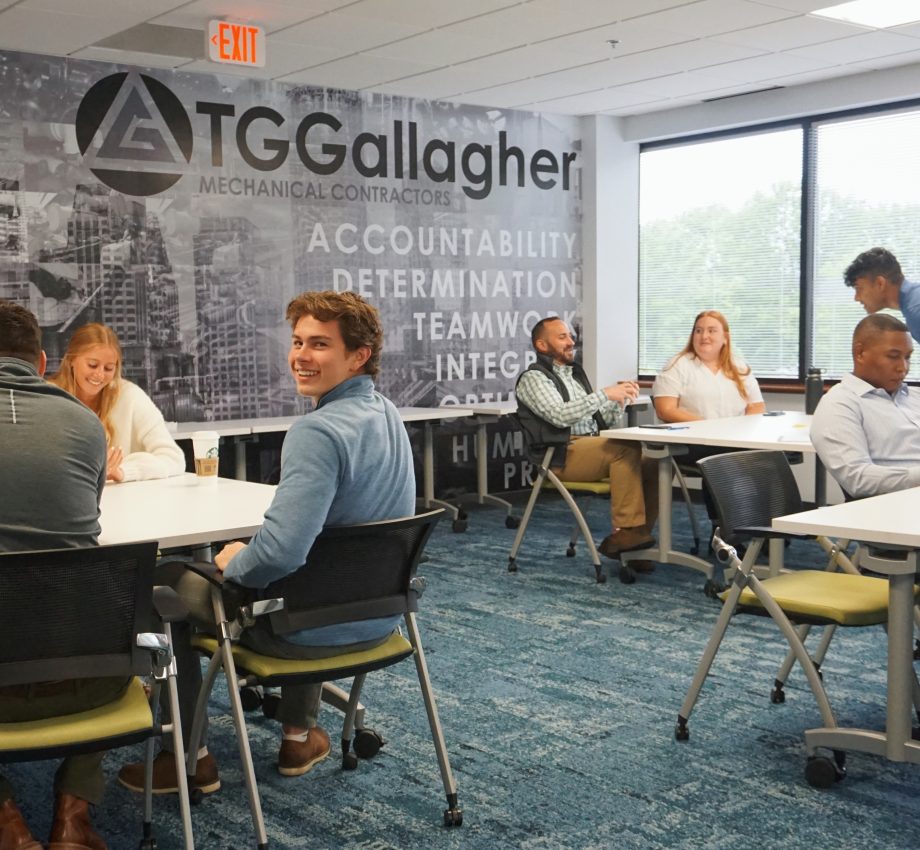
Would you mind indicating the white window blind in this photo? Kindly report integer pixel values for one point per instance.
(867, 194)
(719, 228)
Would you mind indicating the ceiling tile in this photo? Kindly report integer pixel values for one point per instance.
(427, 14)
(672, 60)
(58, 33)
(760, 68)
(142, 10)
(911, 58)
(283, 58)
(272, 14)
(355, 72)
(802, 6)
(790, 33)
(713, 17)
(591, 102)
(338, 30)
(858, 47)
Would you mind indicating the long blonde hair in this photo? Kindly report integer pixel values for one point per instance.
(726, 362)
(84, 338)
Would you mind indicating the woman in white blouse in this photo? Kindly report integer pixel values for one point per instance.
(140, 445)
(704, 380)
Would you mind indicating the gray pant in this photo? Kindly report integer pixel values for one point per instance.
(300, 704)
(80, 775)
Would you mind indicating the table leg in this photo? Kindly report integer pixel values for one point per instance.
(483, 496)
(428, 499)
(664, 553)
(900, 663)
(239, 449)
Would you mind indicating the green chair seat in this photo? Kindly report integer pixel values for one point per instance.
(267, 667)
(848, 600)
(128, 714)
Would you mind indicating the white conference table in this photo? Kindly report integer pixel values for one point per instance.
(182, 511)
(788, 432)
(426, 416)
(889, 520)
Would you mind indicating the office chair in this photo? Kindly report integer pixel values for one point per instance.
(540, 455)
(352, 573)
(86, 613)
(749, 489)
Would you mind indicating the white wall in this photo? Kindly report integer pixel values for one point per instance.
(610, 238)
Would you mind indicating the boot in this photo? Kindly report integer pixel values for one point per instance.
(71, 829)
(14, 832)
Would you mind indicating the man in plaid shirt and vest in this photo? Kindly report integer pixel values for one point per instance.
(555, 390)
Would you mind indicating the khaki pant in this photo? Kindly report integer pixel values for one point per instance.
(633, 479)
(80, 775)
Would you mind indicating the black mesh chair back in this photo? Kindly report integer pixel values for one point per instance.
(74, 613)
(352, 573)
(749, 489)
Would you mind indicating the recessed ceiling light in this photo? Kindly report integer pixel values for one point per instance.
(879, 14)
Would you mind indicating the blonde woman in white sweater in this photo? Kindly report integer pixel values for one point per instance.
(140, 445)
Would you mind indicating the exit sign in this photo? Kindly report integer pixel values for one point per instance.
(236, 44)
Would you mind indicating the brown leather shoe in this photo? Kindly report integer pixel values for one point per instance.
(625, 540)
(71, 829)
(206, 779)
(14, 831)
(295, 757)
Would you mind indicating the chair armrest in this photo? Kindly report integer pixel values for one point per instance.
(169, 607)
(207, 571)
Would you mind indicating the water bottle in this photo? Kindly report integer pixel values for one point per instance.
(814, 389)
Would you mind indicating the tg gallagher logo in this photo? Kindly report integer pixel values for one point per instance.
(136, 137)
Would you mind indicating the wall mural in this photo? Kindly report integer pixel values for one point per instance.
(185, 210)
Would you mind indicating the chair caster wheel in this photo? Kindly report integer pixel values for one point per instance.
(599, 575)
(367, 743)
(713, 588)
(681, 732)
(822, 772)
(695, 548)
(195, 795)
(349, 761)
(627, 574)
(271, 704)
(459, 525)
(251, 698)
(512, 565)
(777, 695)
(570, 552)
(512, 521)
(453, 817)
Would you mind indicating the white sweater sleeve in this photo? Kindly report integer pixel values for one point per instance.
(141, 433)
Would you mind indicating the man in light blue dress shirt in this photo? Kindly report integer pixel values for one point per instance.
(866, 430)
(878, 281)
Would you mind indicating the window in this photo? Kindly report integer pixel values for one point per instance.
(721, 226)
(867, 192)
(720, 229)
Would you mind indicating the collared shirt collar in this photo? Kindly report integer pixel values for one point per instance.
(863, 388)
(358, 385)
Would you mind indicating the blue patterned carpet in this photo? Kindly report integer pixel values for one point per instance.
(558, 698)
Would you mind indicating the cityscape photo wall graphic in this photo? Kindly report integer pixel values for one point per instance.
(186, 210)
